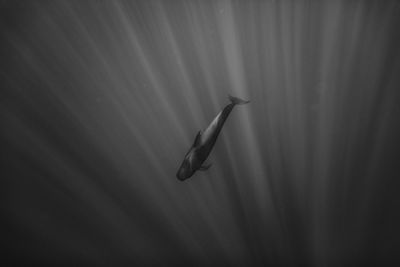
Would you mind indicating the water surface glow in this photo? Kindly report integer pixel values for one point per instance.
(102, 99)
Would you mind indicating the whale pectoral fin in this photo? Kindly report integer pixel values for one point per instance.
(205, 167)
(197, 139)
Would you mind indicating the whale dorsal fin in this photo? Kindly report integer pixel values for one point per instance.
(197, 139)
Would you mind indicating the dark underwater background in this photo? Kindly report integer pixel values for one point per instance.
(100, 101)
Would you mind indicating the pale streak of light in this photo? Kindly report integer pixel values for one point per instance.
(202, 55)
(33, 60)
(205, 66)
(234, 63)
(196, 110)
(156, 84)
(291, 20)
(238, 86)
(118, 100)
(354, 53)
(324, 139)
(386, 106)
(226, 143)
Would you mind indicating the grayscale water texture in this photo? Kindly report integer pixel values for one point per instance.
(100, 101)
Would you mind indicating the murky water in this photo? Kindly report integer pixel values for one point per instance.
(102, 99)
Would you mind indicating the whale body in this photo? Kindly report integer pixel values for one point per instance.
(204, 142)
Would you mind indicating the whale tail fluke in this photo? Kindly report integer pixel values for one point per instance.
(237, 101)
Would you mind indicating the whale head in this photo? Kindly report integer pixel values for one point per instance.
(188, 166)
(185, 171)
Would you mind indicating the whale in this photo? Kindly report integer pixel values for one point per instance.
(204, 142)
